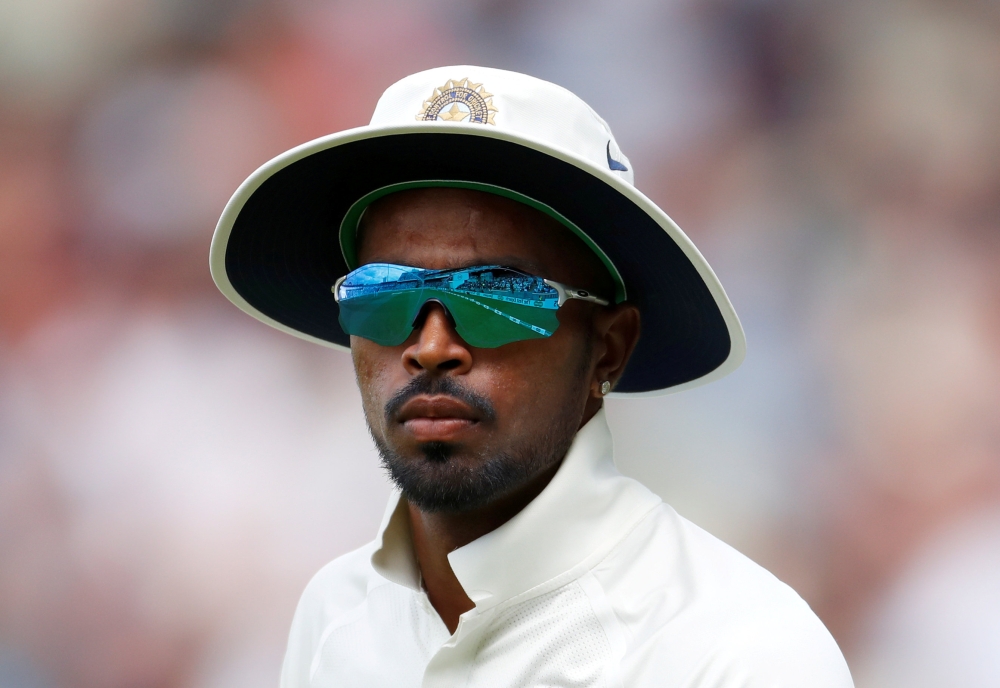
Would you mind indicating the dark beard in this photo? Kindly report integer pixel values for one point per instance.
(442, 483)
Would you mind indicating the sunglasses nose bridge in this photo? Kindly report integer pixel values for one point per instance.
(425, 308)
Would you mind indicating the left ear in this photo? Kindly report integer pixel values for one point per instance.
(616, 331)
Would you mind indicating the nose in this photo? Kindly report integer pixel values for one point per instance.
(438, 348)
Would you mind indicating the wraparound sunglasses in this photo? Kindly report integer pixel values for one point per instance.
(490, 305)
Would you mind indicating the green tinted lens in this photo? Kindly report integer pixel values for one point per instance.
(386, 317)
(489, 323)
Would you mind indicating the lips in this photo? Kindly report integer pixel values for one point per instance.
(437, 418)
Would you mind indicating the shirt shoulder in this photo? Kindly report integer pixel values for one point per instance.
(338, 588)
(693, 608)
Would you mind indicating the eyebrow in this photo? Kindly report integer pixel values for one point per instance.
(516, 262)
(507, 261)
(519, 263)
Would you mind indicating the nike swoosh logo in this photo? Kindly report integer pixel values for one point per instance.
(614, 164)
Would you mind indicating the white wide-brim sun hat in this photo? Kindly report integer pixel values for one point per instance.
(288, 232)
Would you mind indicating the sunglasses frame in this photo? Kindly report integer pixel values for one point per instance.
(565, 292)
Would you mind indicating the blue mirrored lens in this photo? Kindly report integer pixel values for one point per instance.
(498, 283)
(378, 277)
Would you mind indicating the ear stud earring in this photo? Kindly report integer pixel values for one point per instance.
(605, 387)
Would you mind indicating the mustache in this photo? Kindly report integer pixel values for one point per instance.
(444, 386)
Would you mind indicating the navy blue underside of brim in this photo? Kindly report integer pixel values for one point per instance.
(284, 254)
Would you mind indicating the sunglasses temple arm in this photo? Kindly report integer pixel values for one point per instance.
(567, 293)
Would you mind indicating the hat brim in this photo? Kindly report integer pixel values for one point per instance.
(276, 250)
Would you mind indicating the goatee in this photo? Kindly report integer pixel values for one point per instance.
(442, 481)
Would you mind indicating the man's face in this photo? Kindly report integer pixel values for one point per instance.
(459, 426)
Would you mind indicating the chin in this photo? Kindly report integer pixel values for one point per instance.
(440, 477)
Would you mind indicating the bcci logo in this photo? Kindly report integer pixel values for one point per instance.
(467, 100)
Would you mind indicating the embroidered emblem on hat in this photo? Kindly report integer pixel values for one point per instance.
(469, 102)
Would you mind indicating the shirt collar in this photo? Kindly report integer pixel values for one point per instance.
(586, 508)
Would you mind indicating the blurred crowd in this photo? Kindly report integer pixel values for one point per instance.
(173, 472)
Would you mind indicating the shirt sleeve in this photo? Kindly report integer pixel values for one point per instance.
(800, 654)
(340, 585)
(303, 639)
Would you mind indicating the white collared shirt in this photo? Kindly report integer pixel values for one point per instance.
(596, 582)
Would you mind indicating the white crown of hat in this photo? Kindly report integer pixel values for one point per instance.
(522, 105)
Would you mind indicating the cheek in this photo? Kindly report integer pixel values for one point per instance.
(372, 366)
(529, 379)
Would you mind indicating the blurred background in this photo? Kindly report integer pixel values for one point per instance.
(173, 472)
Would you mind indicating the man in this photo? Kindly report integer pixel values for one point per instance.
(482, 251)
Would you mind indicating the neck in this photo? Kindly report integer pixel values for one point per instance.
(437, 534)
